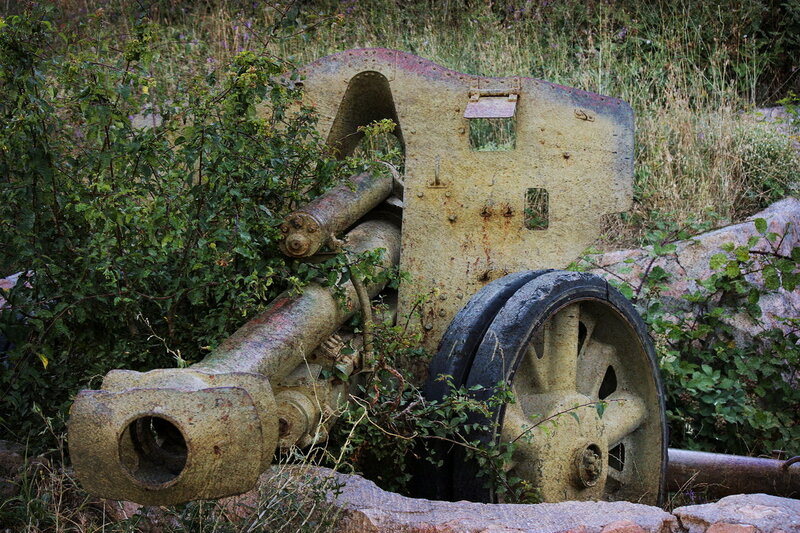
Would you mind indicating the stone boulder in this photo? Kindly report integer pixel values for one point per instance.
(12, 459)
(365, 508)
(340, 503)
(742, 513)
(690, 262)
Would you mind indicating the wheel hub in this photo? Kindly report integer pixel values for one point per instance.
(589, 466)
(563, 450)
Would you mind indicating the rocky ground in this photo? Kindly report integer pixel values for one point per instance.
(362, 507)
(356, 505)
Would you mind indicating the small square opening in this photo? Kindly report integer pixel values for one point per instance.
(492, 134)
(537, 209)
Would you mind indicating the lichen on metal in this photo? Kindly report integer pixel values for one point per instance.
(464, 219)
(308, 229)
(524, 193)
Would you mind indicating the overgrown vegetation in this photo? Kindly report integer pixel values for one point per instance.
(148, 151)
(139, 244)
(687, 68)
(726, 392)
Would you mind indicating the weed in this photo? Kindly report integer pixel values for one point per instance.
(725, 393)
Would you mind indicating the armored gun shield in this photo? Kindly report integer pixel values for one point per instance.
(501, 174)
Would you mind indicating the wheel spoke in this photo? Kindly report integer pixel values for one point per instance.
(624, 413)
(595, 360)
(516, 426)
(514, 422)
(614, 480)
(616, 475)
(588, 323)
(557, 351)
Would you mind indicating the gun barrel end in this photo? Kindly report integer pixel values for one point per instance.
(167, 445)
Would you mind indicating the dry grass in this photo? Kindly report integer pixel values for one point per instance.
(287, 499)
(687, 89)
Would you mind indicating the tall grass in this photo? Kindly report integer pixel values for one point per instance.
(693, 72)
(689, 69)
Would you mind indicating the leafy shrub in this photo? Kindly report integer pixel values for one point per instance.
(138, 244)
(725, 394)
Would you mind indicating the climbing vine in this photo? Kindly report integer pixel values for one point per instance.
(726, 392)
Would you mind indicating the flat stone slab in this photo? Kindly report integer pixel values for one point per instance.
(742, 513)
(342, 503)
(368, 509)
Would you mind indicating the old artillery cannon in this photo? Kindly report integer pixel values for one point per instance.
(474, 227)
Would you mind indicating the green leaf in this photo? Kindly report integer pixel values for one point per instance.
(742, 253)
(761, 225)
(732, 270)
(772, 280)
(626, 290)
(717, 261)
(601, 408)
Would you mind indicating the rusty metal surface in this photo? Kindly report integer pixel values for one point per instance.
(721, 475)
(491, 107)
(174, 435)
(464, 218)
(276, 341)
(309, 228)
(219, 433)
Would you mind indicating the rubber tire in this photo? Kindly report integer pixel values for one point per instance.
(454, 358)
(512, 328)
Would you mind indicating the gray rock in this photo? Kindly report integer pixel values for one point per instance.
(768, 514)
(690, 263)
(12, 458)
(12, 461)
(367, 509)
(317, 495)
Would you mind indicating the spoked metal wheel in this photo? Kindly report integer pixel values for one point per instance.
(588, 421)
(454, 359)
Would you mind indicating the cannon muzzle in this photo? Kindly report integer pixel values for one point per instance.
(173, 435)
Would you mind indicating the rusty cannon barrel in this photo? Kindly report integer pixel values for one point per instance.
(173, 435)
(721, 475)
(309, 228)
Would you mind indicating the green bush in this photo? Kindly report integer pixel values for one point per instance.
(140, 246)
(725, 393)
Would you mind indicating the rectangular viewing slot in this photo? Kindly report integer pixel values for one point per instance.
(492, 134)
(537, 209)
